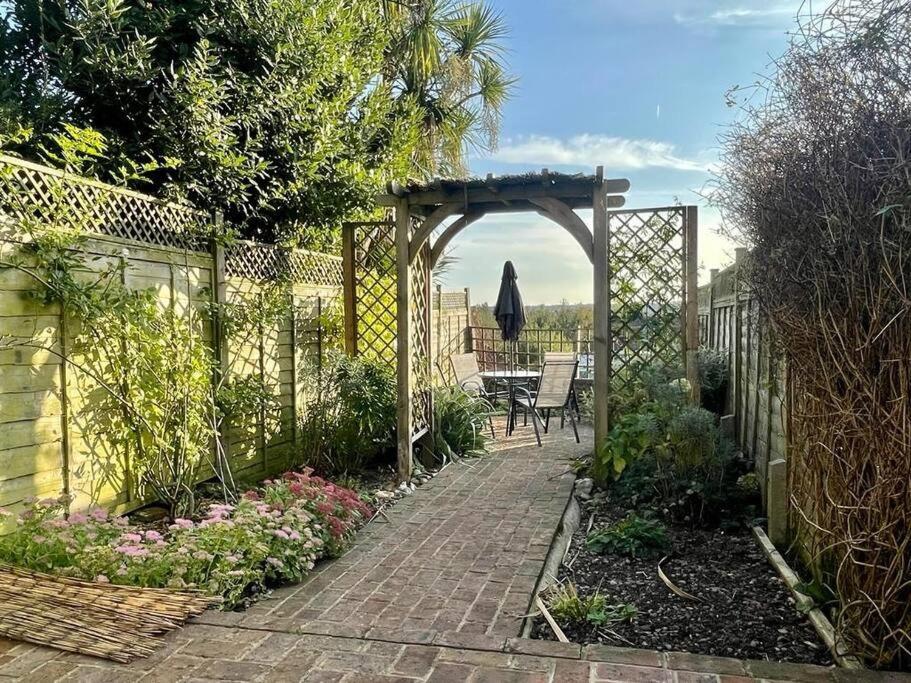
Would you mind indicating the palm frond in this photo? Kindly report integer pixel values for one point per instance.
(476, 31)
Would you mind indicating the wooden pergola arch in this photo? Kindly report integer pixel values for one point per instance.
(419, 210)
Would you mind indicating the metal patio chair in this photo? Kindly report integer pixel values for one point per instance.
(467, 374)
(565, 357)
(555, 391)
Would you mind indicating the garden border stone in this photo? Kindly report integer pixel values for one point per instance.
(569, 524)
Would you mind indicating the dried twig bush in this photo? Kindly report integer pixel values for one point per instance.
(817, 179)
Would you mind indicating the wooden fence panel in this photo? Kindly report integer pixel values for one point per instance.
(730, 321)
(52, 439)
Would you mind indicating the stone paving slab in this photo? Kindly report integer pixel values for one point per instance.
(434, 594)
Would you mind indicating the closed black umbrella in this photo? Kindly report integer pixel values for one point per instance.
(509, 311)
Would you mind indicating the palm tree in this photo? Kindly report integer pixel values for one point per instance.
(446, 56)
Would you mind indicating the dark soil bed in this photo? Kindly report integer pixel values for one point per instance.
(745, 610)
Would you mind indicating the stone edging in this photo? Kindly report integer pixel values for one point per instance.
(569, 523)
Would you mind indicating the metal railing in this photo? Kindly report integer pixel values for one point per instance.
(494, 354)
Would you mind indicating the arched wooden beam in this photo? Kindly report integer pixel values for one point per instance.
(446, 237)
(431, 223)
(564, 216)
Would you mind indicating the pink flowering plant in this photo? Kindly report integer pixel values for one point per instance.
(272, 535)
(340, 510)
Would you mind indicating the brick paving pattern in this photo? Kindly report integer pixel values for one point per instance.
(435, 592)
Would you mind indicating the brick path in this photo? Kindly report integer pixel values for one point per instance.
(434, 593)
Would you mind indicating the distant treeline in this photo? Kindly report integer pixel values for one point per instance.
(563, 316)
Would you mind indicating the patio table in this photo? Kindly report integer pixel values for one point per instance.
(512, 378)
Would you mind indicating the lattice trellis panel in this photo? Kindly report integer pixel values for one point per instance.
(374, 290)
(419, 311)
(48, 197)
(269, 262)
(647, 263)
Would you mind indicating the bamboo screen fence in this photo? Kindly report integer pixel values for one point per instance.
(49, 442)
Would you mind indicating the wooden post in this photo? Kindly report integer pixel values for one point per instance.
(712, 337)
(220, 342)
(66, 443)
(439, 326)
(602, 342)
(403, 338)
(349, 287)
(468, 346)
(737, 341)
(691, 305)
(293, 321)
(261, 332)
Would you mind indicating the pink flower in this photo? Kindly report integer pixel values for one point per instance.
(48, 502)
(101, 578)
(132, 538)
(78, 518)
(281, 533)
(181, 523)
(152, 535)
(132, 550)
(99, 514)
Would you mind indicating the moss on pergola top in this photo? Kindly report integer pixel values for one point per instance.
(506, 193)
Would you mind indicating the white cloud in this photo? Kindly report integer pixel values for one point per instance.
(740, 15)
(590, 149)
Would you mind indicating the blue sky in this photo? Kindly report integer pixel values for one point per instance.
(636, 85)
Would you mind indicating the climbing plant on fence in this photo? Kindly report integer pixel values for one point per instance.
(124, 355)
(143, 371)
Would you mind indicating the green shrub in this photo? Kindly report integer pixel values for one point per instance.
(567, 607)
(628, 440)
(460, 423)
(633, 536)
(692, 437)
(351, 418)
(694, 471)
(713, 378)
(748, 484)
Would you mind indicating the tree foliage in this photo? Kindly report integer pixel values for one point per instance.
(271, 112)
(286, 116)
(447, 58)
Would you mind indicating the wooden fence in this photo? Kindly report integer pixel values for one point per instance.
(729, 322)
(450, 318)
(50, 439)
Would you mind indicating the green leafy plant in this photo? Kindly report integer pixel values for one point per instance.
(350, 417)
(629, 439)
(633, 536)
(568, 607)
(459, 423)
